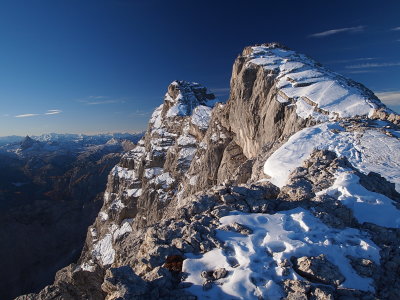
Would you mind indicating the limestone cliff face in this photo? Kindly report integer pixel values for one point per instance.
(148, 177)
(255, 116)
(275, 92)
(200, 160)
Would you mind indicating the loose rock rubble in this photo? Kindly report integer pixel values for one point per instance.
(318, 269)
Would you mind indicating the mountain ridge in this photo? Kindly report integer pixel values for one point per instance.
(187, 212)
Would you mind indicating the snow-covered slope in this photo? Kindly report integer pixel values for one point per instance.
(313, 89)
(369, 148)
(259, 257)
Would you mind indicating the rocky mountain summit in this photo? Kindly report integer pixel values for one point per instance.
(289, 190)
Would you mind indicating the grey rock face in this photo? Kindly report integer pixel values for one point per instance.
(255, 116)
(296, 290)
(364, 267)
(123, 283)
(236, 227)
(161, 160)
(318, 269)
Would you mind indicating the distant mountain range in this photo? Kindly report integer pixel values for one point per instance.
(70, 138)
(50, 187)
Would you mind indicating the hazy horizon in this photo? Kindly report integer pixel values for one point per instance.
(74, 133)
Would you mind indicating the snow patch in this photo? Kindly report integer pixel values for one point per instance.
(123, 172)
(104, 251)
(367, 206)
(280, 99)
(88, 266)
(103, 216)
(299, 76)
(193, 180)
(156, 119)
(380, 153)
(186, 140)
(165, 180)
(134, 192)
(257, 257)
(187, 154)
(151, 172)
(176, 110)
(117, 204)
(369, 150)
(201, 117)
(124, 228)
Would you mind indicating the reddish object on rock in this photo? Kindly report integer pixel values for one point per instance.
(174, 263)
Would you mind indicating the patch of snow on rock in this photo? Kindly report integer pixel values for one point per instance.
(380, 153)
(88, 266)
(156, 118)
(178, 109)
(125, 227)
(124, 172)
(103, 216)
(299, 76)
(151, 172)
(187, 154)
(367, 206)
(193, 180)
(104, 251)
(254, 261)
(368, 150)
(186, 140)
(201, 116)
(298, 148)
(165, 180)
(134, 192)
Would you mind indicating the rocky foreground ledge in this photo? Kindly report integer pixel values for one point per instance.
(289, 190)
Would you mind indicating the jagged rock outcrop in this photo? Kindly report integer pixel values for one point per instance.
(263, 197)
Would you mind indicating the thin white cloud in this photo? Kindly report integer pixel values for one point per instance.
(140, 113)
(97, 97)
(338, 30)
(396, 28)
(361, 71)
(389, 98)
(48, 112)
(53, 112)
(105, 102)
(373, 65)
(26, 115)
(100, 100)
(220, 91)
(346, 61)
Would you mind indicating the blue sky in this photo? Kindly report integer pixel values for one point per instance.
(103, 65)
